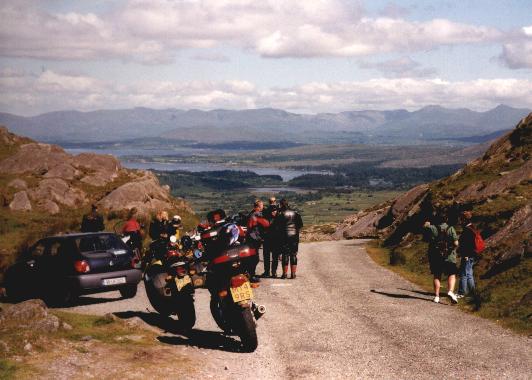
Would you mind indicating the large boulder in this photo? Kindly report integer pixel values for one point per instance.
(63, 171)
(59, 191)
(103, 168)
(31, 315)
(145, 194)
(18, 184)
(21, 202)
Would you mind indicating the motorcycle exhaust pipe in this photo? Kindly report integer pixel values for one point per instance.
(258, 310)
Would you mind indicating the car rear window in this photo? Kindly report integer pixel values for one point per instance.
(99, 243)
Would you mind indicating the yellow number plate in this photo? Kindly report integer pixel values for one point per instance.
(182, 282)
(242, 293)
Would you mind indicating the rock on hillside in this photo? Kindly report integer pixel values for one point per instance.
(496, 187)
(44, 177)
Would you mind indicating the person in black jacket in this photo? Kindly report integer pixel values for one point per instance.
(93, 221)
(288, 224)
(269, 239)
(466, 250)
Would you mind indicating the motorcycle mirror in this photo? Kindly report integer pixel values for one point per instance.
(173, 239)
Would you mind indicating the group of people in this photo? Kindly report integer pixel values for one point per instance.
(276, 228)
(445, 250)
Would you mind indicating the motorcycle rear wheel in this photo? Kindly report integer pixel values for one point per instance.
(247, 330)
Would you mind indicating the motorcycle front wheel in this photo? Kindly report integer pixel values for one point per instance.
(219, 316)
(186, 313)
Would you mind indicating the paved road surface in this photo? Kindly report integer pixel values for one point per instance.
(344, 317)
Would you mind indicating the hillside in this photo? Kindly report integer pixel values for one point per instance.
(217, 126)
(497, 188)
(45, 190)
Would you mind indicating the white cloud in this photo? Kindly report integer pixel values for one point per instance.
(403, 67)
(25, 93)
(517, 53)
(152, 31)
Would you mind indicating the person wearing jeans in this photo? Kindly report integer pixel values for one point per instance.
(467, 280)
(466, 249)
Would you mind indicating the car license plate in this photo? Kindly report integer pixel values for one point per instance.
(114, 281)
(242, 293)
(182, 282)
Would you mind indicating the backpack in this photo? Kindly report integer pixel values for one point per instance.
(478, 242)
(442, 241)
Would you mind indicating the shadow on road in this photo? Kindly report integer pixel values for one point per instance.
(212, 340)
(399, 295)
(418, 291)
(199, 338)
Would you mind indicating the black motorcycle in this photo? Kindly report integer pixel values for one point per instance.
(231, 304)
(170, 279)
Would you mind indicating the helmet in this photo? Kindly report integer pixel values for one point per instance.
(176, 218)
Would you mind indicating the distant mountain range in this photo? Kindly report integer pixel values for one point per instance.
(427, 125)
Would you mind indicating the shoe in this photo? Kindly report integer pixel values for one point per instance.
(460, 296)
(453, 297)
(265, 275)
(293, 276)
(283, 277)
(254, 279)
(436, 299)
(274, 275)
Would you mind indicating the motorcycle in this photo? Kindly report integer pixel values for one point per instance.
(170, 279)
(228, 281)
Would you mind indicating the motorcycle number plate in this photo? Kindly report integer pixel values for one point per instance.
(242, 293)
(182, 282)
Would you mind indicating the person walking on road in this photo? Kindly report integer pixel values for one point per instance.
(443, 241)
(288, 223)
(93, 221)
(466, 251)
(257, 225)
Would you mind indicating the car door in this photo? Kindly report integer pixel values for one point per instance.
(49, 268)
(25, 277)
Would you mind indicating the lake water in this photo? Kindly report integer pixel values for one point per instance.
(146, 164)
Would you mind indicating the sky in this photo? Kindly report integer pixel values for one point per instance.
(308, 56)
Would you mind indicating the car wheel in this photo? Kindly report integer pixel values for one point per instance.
(58, 298)
(129, 291)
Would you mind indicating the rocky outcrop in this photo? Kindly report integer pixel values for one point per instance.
(496, 187)
(50, 179)
(34, 158)
(20, 202)
(362, 225)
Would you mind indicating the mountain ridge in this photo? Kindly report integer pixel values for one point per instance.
(268, 124)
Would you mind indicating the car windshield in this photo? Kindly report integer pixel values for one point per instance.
(98, 243)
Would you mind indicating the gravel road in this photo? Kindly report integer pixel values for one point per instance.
(343, 317)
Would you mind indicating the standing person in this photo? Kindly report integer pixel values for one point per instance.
(275, 238)
(469, 257)
(175, 227)
(257, 226)
(267, 250)
(289, 223)
(93, 221)
(443, 241)
(159, 233)
(132, 229)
